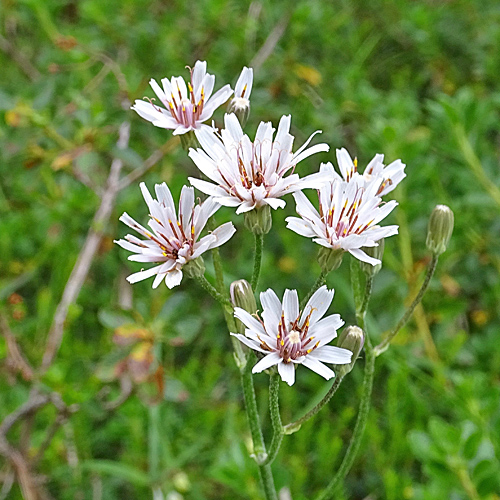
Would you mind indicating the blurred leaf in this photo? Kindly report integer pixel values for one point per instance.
(117, 469)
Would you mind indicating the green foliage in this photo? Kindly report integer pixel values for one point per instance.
(414, 80)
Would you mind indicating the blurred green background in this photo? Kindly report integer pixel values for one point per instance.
(416, 80)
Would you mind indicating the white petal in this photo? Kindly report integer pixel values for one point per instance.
(266, 362)
(220, 97)
(332, 354)
(249, 321)
(245, 80)
(249, 342)
(206, 187)
(142, 275)
(317, 148)
(222, 234)
(290, 306)
(318, 367)
(274, 203)
(164, 196)
(246, 206)
(360, 255)
(319, 303)
(272, 311)
(325, 329)
(159, 278)
(300, 226)
(173, 278)
(287, 372)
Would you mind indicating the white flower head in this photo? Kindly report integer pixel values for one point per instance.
(172, 241)
(243, 87)
(385, 177)
(240, 103)
(187, 106)
(248, 174)
(289, 337)
(348, 217)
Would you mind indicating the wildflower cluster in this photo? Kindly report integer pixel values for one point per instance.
(253, 176)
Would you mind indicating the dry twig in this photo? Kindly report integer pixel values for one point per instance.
(15, 358)
(87, 253)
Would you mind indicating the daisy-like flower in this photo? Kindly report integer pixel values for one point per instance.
(385, 177)
(349, 213)
(248, 174)
(172, 242)
(184, 111)
(240, 103)
(288, 337)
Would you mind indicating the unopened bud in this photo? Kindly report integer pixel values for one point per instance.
(181, 482)
(330, 259)
(189, 140)
(439, 229)
(375, 252)
(353, 339)
(242, 296)
(241, 108)
(194, 268)
(259, 220)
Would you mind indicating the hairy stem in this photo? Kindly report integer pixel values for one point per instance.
(256, 431)
(359, 428)
(295, 426)
(379, 349)
(274, 381)
(259, 243)
(208, 287)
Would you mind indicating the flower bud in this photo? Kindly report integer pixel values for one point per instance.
(330, 258)
(375, 252)
(259, 220)
(194, 268)
(353, 339)
(189, 140)
(241, 108)
(181, 482)
(242, 296)
(439, 229)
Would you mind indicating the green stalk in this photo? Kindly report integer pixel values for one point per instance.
(208, 287)
(259, 243)
(256, 432)
(295, 426)
(364, 406)
(274, 385)
(319, 282)
(379, 349)
(359, 428)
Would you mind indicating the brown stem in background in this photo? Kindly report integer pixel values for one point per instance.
(87, 253)
(15, 358)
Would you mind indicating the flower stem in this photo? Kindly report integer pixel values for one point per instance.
(252, 412)
(266, 478)
(274, 385)
(361, 312)
(259, 243)
(364, 406)
(380, 348)
(295, 426)
(223, 301)
(319, 282)
(259, 447)
(359, 428)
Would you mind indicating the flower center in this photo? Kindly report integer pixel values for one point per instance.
(294, 337)
(293, 341)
